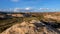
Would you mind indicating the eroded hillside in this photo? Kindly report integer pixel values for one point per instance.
(32, 27)
(32, 23)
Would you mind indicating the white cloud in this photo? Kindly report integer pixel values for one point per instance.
(44, 8)
(15, 0)
(28, 8)
(16, 9)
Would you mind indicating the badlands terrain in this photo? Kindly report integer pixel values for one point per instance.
(30, 23)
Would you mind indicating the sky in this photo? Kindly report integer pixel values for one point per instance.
(35, 4)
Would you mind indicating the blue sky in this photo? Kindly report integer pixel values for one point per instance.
(51, 4)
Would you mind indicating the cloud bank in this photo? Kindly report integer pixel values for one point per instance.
(29, 9)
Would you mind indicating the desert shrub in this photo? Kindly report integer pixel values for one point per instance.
(30, 18)
(40, 17)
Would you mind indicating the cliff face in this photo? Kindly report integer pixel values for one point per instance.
(32, 27)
